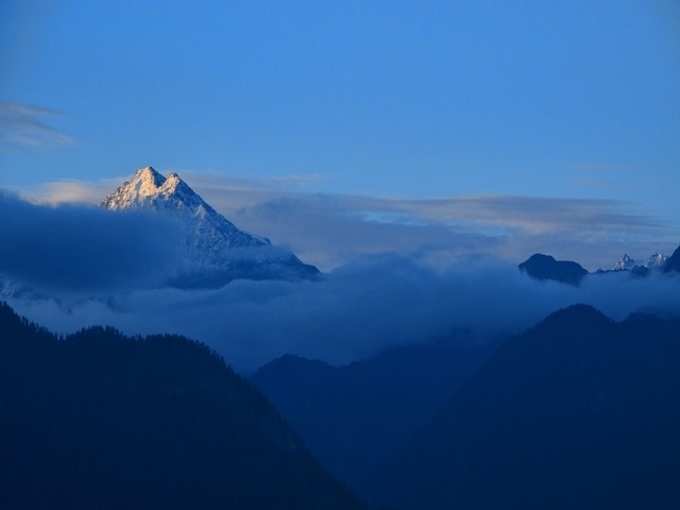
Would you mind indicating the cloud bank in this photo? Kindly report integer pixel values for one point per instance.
(357, 310)
(72, 248)
(330, 230)
(399, 271)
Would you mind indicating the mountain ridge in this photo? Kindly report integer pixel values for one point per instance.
(97, 419)
(577, 412)
(351, 416)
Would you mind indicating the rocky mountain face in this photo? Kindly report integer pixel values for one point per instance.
(656, 260)
(627, 263)
(216, 250)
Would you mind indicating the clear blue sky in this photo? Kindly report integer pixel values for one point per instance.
(576, 98)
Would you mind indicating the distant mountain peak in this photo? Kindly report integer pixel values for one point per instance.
(657, 260)
(148, 188)
(574, 314)
(625, 263)
(545, 267)
(214, 245)
(145, 183)
(628, 263)
(148, 171)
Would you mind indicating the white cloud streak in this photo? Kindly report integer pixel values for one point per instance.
(25, 126)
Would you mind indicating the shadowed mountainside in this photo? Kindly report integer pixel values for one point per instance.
(99, 420)
(545, 267)
(673, 262)
(352, 417)
(579, 412)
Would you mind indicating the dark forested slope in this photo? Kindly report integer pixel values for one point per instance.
(352, 417)
(98, 420)
(579, 412)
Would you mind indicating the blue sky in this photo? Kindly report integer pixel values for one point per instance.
(564, 99)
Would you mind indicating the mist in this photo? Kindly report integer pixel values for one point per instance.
(356, 310)
(80, 248)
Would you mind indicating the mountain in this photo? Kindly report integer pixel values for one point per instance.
(626, 263)
(352, 417)
(673, 262)
(100, 420)
(578, 413)
(216, 250)
(545, 267)
(656, 261)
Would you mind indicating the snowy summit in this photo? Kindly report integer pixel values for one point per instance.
(627, 263)
(216, 250)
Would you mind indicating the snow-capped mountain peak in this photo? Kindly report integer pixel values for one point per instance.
(150, 188)
(144, 184)
(657, 260)
(214, 245)
(175, 187)
(625, 263)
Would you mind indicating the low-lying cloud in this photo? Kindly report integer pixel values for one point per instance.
(71, 248)
(398, 271)
(356, 310)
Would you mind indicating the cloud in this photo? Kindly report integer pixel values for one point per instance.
(76, 248)
(70, 192)
(333, 229)
(24, 125)
(217, 182)
(606, 168)
(330, 230)
(356, 310)
(441, 271)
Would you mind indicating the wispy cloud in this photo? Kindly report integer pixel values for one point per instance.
(277, 183)
(68, 191)
(333, 228)
(601, 168)
(26, 126)
(602, 177)
(330, 230)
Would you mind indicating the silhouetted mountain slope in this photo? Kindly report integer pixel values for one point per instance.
(673, 262)
(352, 417)
(545, 267)
(579, 412)
(99, 420)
